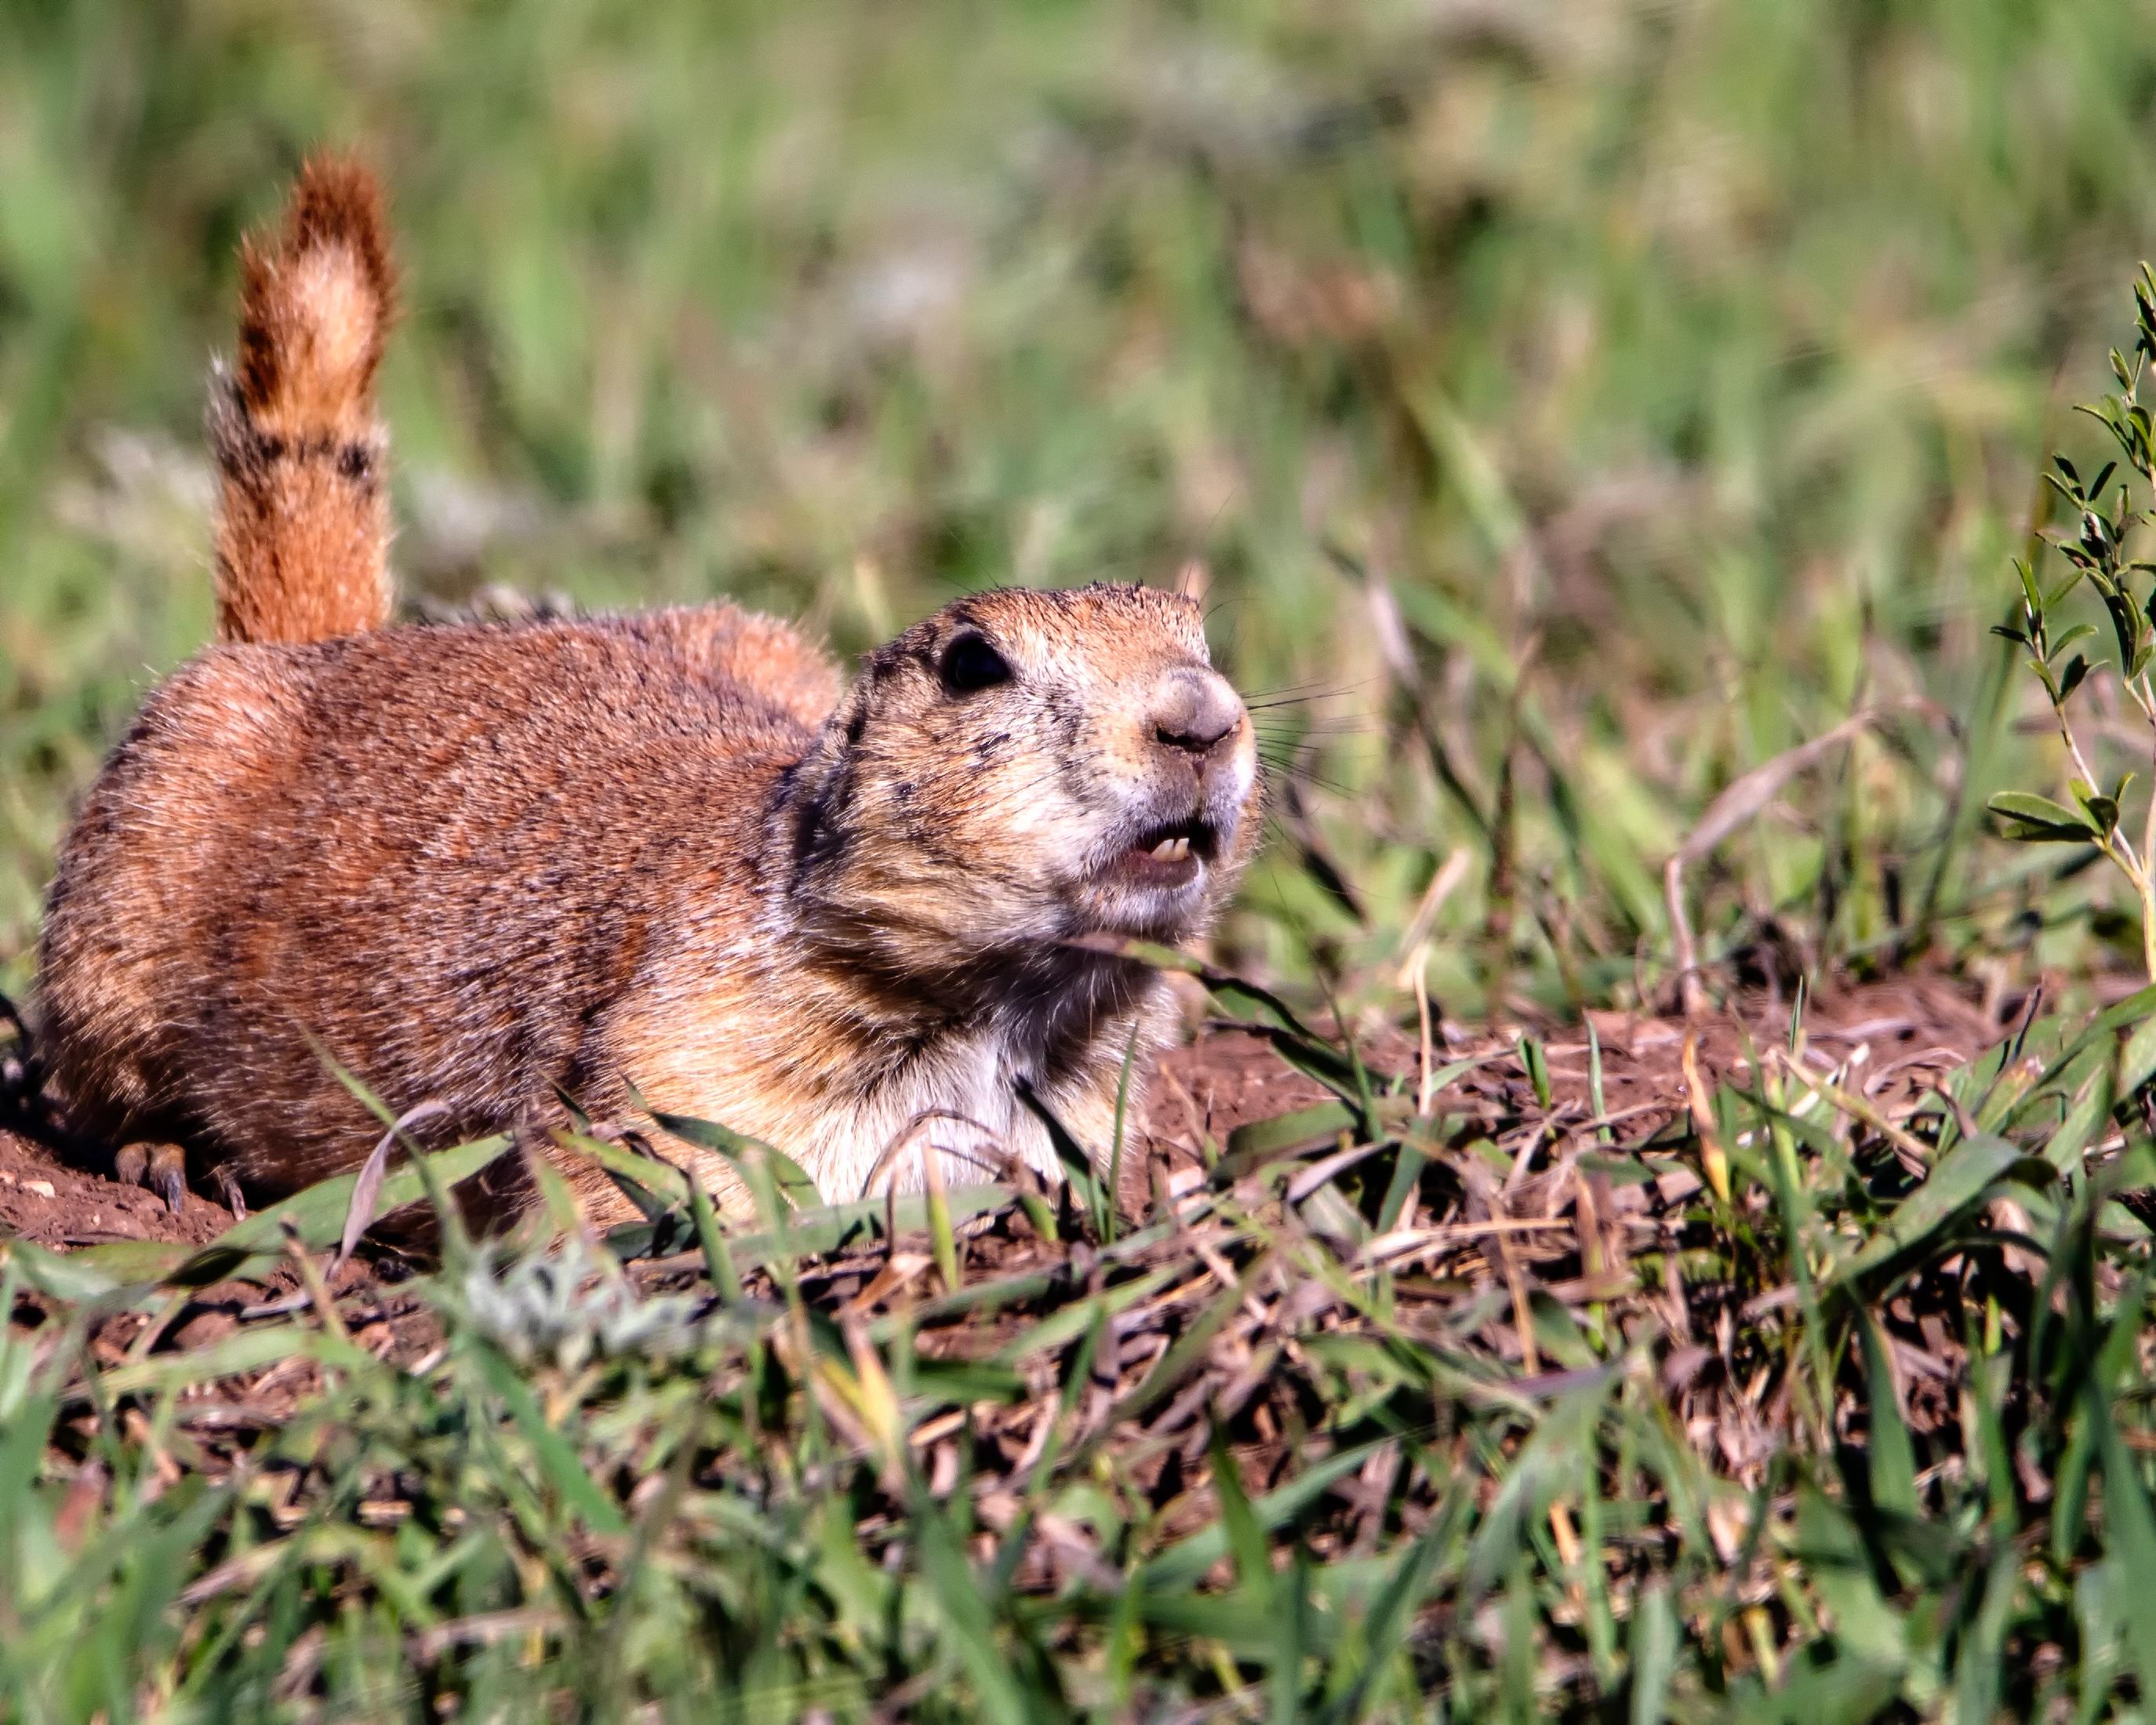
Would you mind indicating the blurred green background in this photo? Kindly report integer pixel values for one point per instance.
(1586, 401)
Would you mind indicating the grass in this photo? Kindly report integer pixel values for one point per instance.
(1604, 402)
(1799, 1407)
(1571, 411)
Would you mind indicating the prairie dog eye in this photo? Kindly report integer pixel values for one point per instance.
(970, 663)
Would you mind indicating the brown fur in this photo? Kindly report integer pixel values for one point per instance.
(477, 865)
(482, 866)
(303, 525)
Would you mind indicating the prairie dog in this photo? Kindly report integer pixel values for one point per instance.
(486, 866)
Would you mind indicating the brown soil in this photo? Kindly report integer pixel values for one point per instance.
(44, 1200)
(1913, 1030)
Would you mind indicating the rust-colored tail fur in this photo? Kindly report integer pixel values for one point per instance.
(302, 523)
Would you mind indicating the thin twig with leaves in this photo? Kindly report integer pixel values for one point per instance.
(2097, 552)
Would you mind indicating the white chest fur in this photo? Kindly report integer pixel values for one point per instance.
(956, 1100)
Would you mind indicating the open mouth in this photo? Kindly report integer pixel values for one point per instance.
(1169, 855)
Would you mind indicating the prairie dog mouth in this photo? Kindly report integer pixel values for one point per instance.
(1169, 856)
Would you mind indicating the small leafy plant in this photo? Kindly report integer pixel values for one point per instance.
(2096, 550)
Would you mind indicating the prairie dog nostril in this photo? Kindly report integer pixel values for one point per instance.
(1193, 710)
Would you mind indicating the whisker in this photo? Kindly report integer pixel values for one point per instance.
(1262, 704)
(1302, 775)
(1233, 494)
(1301, 694)
(1308, 779)
(1292, 691)
(1315, 728)
(1289, 830)
(1288, 743)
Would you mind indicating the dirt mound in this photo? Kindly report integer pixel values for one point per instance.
(1899, 1037)
(44, 1200)
(1911, 1031)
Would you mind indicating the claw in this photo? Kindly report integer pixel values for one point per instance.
(235, 1200)
(167, 1175)
(161, 1167)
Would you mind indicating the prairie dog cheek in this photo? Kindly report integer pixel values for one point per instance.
(1027, 810)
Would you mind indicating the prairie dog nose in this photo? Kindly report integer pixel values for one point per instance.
(1193, 709)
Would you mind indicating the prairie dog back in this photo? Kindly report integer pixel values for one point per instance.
(432, 853)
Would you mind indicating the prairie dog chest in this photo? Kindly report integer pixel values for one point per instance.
(954, 1098)
(958, 1101)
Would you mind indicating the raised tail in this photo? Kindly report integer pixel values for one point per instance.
(303, 521)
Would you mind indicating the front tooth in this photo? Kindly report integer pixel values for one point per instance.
(1164, 851)
(1182, 850)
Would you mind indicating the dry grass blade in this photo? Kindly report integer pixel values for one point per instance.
(366, 1190)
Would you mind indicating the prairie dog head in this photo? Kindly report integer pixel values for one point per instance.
(1022, 767)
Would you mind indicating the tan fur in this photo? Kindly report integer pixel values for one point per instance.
(480, 864)
(489, 865)
(303, 525)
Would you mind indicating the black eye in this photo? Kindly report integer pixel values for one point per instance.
(970, 663)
